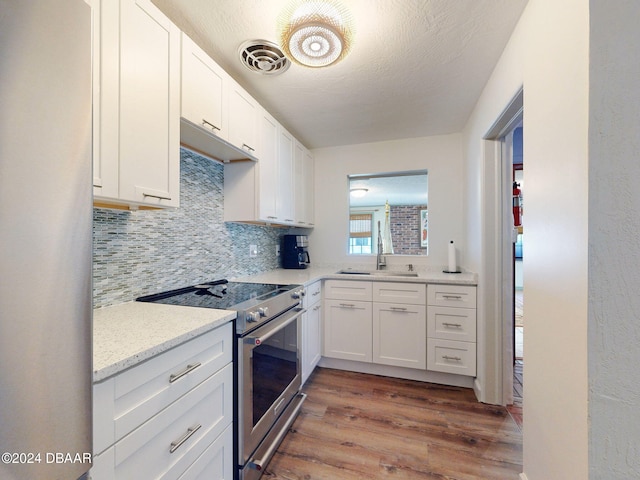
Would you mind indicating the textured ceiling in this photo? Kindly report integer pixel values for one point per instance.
(416, 69)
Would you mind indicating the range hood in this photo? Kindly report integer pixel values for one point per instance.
(197, 139)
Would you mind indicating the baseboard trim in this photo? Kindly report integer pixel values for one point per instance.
(523, 476)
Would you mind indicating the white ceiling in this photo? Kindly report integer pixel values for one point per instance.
(416, 69)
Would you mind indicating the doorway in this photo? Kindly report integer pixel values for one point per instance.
(500, 237)
(513, 149)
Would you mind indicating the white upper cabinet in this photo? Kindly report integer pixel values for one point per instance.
(206, 118)
(244, 113)
(268, 168)
(285, 200)
(303, 186)
(263, 192)
(204, 90)
(137, 73)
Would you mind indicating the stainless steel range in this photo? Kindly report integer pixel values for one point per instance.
(266, 359)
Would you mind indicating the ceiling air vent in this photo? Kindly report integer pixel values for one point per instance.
(263, 57)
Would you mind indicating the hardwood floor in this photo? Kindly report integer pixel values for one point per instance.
(515, 410)
(357, 426)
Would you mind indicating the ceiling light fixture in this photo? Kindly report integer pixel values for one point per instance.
(316, 33)
(358, 192)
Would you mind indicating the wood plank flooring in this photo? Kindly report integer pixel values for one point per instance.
(357, 426)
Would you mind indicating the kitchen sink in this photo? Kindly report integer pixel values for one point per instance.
(377, 273)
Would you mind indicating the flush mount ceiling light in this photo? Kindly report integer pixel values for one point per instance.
(358, 192)
(315, 33)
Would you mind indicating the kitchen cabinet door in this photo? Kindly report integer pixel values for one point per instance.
(285, 200)
(244, 113)
(138, 89)
(204, 90)
(303, 186)
(400, 335)
(312, 342)
(149, 105)
(347, 330)
(309, 169)
(268, 168)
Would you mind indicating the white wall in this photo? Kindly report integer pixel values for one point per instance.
(614, 232)
(440, 155)
(548, 55)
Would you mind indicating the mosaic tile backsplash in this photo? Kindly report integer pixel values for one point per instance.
(149, 251)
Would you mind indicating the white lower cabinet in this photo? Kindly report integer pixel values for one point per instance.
(410, 325)
(347, 330)
(170, 417)
(399, 333)
(361, 323)
(311, 329)
(451, 329)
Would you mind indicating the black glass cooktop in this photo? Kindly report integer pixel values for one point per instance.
(219, 294)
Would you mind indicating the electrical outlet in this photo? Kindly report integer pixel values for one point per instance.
(253, 250)
(277, 250)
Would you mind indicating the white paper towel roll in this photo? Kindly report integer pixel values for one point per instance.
(452, 267)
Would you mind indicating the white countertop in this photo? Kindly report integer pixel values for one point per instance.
(130, 333)
(309, 275)
(127, 334)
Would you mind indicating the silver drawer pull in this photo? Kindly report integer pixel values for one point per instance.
(399, 309)
(447, 357)
(456, 325)
(248, 147)
(178, 443)
(454, 297)
(347, 305)
(190, 368)
(205, 123)
(317, 307)
(316, 293)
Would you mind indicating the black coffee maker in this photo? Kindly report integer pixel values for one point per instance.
(294, 251)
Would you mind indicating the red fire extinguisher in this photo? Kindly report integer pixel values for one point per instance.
(517, 205)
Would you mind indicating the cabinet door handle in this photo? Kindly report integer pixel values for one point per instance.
(456, 325)
(347, 305)
(447, 357)
(315, 293)
(153, 195)
(454, 297)
(178, 443)
(317, 307)
(190, 368)
(248, 147)
(399, 309)
(205, 123)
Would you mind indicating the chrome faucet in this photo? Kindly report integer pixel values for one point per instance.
(381, 261)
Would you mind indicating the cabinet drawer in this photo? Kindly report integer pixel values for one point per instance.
(451, 357)
(451, 323)
(216, 463)
(313, 295)
(396, 292)
(148, 448)
(452, 295)
(125, 401)
(348, 290)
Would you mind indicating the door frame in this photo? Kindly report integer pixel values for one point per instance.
(498, 255)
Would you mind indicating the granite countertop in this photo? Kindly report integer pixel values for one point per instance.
(127, 334)
(130, 333)
(309, 275)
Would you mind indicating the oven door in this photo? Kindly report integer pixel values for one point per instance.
(269, 377)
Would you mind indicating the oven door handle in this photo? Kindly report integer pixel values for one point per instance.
(274, 327)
